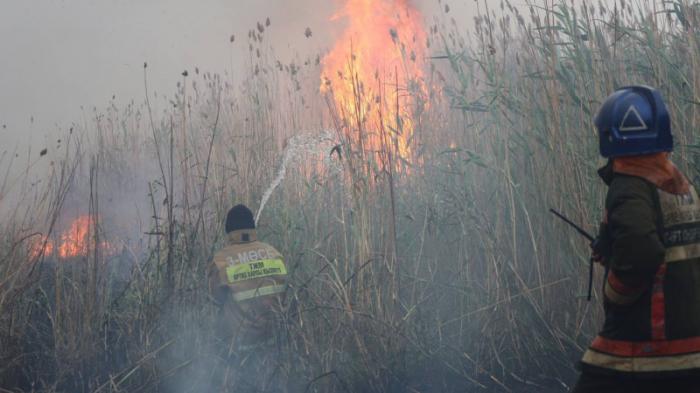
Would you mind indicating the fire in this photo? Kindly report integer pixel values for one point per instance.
(75, 241)
(375, 72)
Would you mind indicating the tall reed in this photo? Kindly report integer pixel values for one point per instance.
(444, 273)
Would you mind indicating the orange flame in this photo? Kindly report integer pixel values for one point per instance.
(375, 72)
(76, 241)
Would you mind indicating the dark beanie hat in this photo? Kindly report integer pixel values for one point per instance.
(239, 217)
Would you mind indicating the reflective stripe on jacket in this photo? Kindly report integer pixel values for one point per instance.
(252, 277)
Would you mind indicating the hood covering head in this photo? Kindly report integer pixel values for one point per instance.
(239, 217)
(656, 168)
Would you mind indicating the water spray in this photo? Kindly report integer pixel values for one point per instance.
(297, 146)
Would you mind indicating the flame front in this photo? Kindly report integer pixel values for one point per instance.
(77, 240)
(375, 73)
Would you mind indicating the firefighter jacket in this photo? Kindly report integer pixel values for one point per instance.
(652, 289)
(248, 279)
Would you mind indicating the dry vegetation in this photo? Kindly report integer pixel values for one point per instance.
(444, 274)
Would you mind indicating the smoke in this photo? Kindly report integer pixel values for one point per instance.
(79, 58)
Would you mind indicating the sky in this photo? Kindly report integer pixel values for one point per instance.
(59, 56)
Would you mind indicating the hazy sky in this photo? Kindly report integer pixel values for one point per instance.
(59, 55)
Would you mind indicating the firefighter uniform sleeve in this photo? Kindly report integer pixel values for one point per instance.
(217, 290)
(637, 251)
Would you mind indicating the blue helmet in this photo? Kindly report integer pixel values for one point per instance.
(632, 121)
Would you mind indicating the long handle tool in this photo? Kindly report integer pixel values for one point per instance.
(590, 238)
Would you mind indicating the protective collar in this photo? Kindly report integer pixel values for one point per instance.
(656, 168)
(242, 236)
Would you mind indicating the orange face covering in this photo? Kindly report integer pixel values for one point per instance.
(656, 168)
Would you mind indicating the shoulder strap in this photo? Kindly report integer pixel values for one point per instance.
(659, 213)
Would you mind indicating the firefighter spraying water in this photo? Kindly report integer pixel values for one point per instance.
(248, 280)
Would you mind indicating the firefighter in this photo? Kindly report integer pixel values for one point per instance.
(247, 279)
(650, 340)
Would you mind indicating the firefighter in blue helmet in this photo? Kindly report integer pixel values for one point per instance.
(650, 341)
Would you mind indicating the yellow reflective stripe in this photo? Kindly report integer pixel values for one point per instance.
(257, 292)
(618, 298)
(642, 364)
(255, 269)
(682, 253)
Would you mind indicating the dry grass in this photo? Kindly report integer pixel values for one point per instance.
(443, 276)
